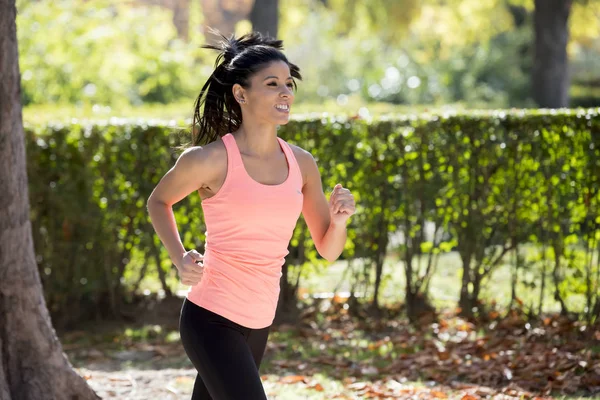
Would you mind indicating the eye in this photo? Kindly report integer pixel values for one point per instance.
(272, 84)
(290, 85)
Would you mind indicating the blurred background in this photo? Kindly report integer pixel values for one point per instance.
(472, 267)
(106, 57)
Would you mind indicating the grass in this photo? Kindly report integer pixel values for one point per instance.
(444, 288)
(445, 283)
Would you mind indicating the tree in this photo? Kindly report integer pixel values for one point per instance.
(550, 74)
(387, 18)
(224, 15)
(33, 365)
(265, 17)
(181, 18)
(180, 9)
(555, 23)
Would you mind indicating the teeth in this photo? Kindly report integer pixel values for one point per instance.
(282, 106)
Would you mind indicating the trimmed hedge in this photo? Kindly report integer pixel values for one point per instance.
(487, 181)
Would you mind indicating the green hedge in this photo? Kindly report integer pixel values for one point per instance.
(489, 182)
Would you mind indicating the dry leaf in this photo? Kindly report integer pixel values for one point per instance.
(294, 379)
(358, 386)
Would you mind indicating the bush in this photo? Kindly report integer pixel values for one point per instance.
(491, 180)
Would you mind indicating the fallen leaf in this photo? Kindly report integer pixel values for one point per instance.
(294, 379)
(357, 386)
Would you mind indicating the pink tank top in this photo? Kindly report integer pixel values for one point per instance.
(248, 229)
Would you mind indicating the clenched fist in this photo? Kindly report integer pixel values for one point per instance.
(341, 204)
(191, 268)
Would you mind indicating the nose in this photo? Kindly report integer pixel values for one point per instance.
(286, 92)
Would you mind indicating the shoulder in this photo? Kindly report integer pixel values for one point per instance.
(207, 161)
(203, 155)
(306, 162)
(301, 155)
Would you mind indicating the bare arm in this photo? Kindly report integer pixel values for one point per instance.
(326, 220)
(187, 175)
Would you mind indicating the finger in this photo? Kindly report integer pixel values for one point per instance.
(190, 263)
(191, 272)
(333, 205)
(191, 281)
(338, 205)
(347, 205)
(196, 255)
(333, 200)
(339, 193)
(332, 208)
(194, 270)
(347, 209)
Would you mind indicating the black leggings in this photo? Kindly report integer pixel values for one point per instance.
(226, 355)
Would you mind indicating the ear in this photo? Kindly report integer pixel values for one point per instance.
(239, 93)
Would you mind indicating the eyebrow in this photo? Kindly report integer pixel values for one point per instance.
(276, 77)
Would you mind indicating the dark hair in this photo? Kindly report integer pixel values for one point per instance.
(238, 60)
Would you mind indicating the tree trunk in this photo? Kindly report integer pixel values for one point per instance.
(464, 301)
(223, 16)
(181, 18)
(556, 275)
(543, 283)
(550, 74)
(32, 364)
(181, 14)
(265, 17)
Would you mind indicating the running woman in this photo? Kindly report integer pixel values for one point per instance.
(253, 186)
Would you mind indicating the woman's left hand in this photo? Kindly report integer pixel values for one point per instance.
(341, 205)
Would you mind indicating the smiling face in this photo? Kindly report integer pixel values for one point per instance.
(269, 95)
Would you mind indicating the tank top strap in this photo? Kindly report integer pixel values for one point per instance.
(293, 163)
(234, 158)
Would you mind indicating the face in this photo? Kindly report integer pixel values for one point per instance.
(269, 95)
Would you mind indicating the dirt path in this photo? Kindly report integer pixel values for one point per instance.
(166, 384)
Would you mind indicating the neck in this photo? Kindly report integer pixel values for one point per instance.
(257, 139)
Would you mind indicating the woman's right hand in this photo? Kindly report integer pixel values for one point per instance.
(191, 268)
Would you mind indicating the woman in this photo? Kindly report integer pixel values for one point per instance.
(253, 187)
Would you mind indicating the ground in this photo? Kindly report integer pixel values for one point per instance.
(332, 354)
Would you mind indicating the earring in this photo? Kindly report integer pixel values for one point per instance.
(242, 101)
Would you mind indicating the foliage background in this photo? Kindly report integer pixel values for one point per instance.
(466, 53)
